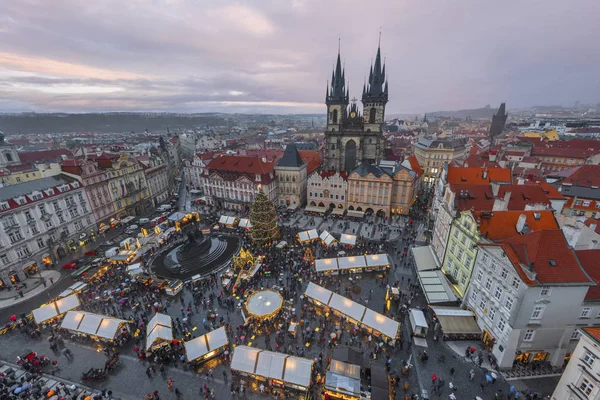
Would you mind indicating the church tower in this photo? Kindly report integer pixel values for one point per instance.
(336, 97)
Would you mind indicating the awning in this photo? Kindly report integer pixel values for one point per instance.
(424, 258)
(206, 343)
(315, 209)
(327, 238)
(338, 211)
(349, 240)
(347, 307)
(326, 264)
(456, 321)
(351, 262)
(436, 287)
(381, 323)
(378, 260)
(245, 223)
(318, 293)
(355, 214)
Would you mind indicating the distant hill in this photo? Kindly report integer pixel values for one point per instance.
(478, 113)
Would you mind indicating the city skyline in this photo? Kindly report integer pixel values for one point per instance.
(276, 57)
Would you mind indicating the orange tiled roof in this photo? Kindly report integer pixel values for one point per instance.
(502, 224)
(593, 332)
(240, 164)
(586, 175)
(551, 192)
(591, 221)
(414, 165)
(481, 198)
(589, 261)
(465, 175)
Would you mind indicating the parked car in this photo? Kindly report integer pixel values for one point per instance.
(71, 265)
(131, 229)
(90, 253)
(143, 221)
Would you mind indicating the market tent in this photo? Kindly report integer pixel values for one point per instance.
(270, 364)
(77, 287)
(327, 238)
(55, 308)
(72, 320)
(176, 216)
(245, 223)
(381, 323)
(355, 214)
(318, 293)
(348, 240)
(244, 359)
(424, 258)
(347, 307)
(378, 260)
(298, 371)
(351, 262)
(436, 287)
(264, 303)
(326, 264)
(315, 209)
(89, 324)
(281, 244)
(101, 326)
(342, 384)
(67, 303)
(160, 328)
(306, 236)
(227, 220)
(456, 321)
(132, 267)
(346, 369)
(201, 346)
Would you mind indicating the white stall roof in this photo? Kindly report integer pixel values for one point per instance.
(338, 211)
(72, 320)
(131, 267)
(159, 332)
(326, 264)
(377, 260)
(216, 338)
(313, 234)
(78, 286)
(135, 272)
(327, 238)
(436, 287)
(424, 258)
(349, 240)
(355, 214)
(418, 317)
(345, 369)
(44, 313)
(227, 220)
(342, 384)
(271, 364)
(281, 244)
(109, 327)
(176, 216)
(303, 236)
(245, 223)
(318, 293)
(347, 307)
(160, 319)
(264, 302)
(351, 262)
(196, 348)
(315, 209)
(67, 303)
(381, 323)
(298, 371)
(89, 324)
(244, 359)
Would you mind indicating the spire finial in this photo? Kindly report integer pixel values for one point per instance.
(379, 43)
(339, 43)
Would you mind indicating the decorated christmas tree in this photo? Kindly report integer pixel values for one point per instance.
(263, 218)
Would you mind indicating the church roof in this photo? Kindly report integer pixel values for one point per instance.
(365, 169)
(291, 157)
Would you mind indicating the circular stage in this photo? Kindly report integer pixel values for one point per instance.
(264, 304)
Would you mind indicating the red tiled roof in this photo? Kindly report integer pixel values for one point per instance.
(414, 165)
(586, 175)
(499, 225)
(311, 157)
(481, 198)
(209, 155)
(591, 221)
(591, 207)
(551, 192)
(589, 261)
(542, 249)
(328, 173)
(481, 160)
(31, 157)
(593, 332)
(241, 164)
(562, 152)
(465, 175)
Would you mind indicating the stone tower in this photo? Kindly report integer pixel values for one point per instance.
(352, 138)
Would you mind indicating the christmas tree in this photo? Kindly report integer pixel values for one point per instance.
(263, 218)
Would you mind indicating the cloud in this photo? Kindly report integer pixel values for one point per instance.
(276, 56)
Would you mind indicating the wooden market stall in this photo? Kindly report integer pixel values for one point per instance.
(55, 309)
(207, 346)
(245, 223)
(159, 331)
(354, 264)
(348, 240)
(327, 238)
(228, 220)
(98, 327)
(308, 236)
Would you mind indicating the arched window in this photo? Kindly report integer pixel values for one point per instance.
(8, 157)
(372, 113)
(333, 147)
(334, 116)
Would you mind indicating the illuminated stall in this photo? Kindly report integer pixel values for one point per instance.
(76, 288)
(55, 309)
(327, 238)
(174, 287)
(348, 240)
(245, 223)
(98, 327)
(264, 304)
(355, 264)
(308, 236)
(277, 370)
(159, 331)
(281, 244)
(228, 221)
(207, 346)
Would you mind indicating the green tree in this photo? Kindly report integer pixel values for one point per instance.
(263, 218)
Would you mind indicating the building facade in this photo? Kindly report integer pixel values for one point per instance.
(582, 189)
(370, 190)
(157, 179)
(42, 221)
(462, 251)
(128, 187)
(433, 153)
(352, 138)
(231, 182)
(328, 189)
(291, 173)
(579, 379)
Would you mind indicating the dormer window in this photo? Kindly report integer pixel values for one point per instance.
(21, 200)
(4, 206)
(49, 192)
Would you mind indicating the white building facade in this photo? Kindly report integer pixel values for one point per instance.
(327, 187)
(157, 179)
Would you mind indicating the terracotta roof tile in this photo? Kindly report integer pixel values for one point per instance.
(499, 225)
(30, 157)
(241, 164)
(481, 198)
(414, 165)
(593, 332)
(586, 175)
(589, 261)
(465, 175)
(590, 222)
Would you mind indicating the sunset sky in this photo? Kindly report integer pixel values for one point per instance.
(275, 56)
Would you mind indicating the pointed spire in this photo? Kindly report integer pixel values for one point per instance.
(337, 93)
(377, 89)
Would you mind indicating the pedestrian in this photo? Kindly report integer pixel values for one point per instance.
(162, 370)
(452, 371)
(471, 374)
(149, 372)
(170, 384)
(177, 393)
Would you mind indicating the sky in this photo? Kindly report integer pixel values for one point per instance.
(275, 56)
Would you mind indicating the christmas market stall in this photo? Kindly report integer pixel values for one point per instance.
(98, 327)
(264, 304)
(76, 288)
(355, 264)
(245, 223)
(327, 238)
(207, 346)
(308, 236)
(134, 269)
(274, 370)
(348, 240)
(55, 309)
(159, 331)
(228, 221)
(281, 244)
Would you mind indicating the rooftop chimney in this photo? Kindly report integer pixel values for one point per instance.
(537, 216)
(521, 223)
(484, 174)
(507, 197)
(495, 188)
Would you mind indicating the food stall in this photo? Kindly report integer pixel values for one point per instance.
(207, 346)
(159, 332)
(98, 327)
(327, 238)
(76, 288)
(281, 244)
(342, 381)
(354, 264)
(348, 240)
(245, 223)
(55, 309)
(174, 287)
(264, 304)
(277, 370)
(308, 236)
(326, 266)
(228, 221)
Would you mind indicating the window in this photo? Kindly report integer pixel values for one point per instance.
(479, 275)
(459, 254)
(509, 303)
(589, 358)
(456, 233)
(545, 291)
(28, 216)
(15, 236)
(43, 209)
(40, 243)
(575, 335)
(498, 292)
(537, 313)
(586, 387)
(529, 335)
(491, 313)
(515, 282)
(452, 248)
(484, 259)
(501, 325)
(474, 295)
(586, 203)
(34, 229)
(504, 273)
(585, 313)
(463, 279)
(23, 252)
(488, 284)
(577, 202)
(4, 259)
(482, 304)
(468, 261)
